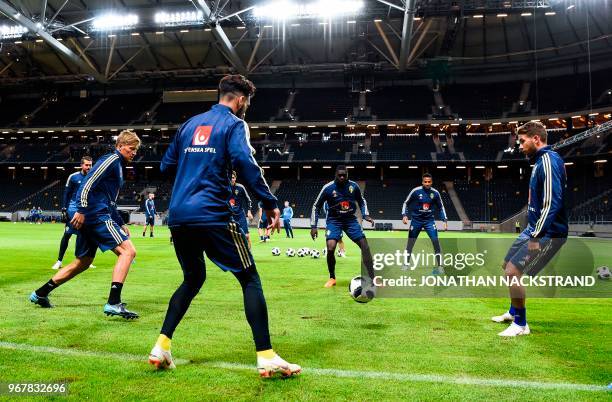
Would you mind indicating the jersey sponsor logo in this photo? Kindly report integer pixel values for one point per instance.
(345, 205)
(232, 202)
(425, 206)
(201, 135)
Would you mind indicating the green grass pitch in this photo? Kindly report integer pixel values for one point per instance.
(424, 348)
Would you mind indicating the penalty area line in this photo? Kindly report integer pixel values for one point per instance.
(380, 375)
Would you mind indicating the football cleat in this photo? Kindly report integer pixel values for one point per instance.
(119, 310)
(438, 271)
(269, 367)
(91, 266)
(330, 283)
(43, 302)
(161, 359)
(515, 330)
(57, 265)
(503, 318)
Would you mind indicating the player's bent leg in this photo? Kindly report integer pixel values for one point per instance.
(190, 254)
(268, 362)
(62, 250)
(519, 325)
(114, 307)
(331, 262)
(507, 316)
(41, 295)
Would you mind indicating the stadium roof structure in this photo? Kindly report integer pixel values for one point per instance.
(130, 40)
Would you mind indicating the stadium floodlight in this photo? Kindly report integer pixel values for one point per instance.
(12, 31)
(111, 22)
(286, 10)
(179, 18)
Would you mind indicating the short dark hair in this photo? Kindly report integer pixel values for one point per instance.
(427, 175)
(340, 167)
(86, 158)
(533, 128)
(236, 83)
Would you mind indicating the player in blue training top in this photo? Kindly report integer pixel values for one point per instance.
(547, 226)
(70, 191)
(94, 215)
(419, 208)
(287, 216)
(149, 208)
(343, 197)
(263, 229)
(239, 200)
(203, 154)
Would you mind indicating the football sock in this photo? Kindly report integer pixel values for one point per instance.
(115, 293)
(331, 264)
(63, 246)
(266, 354)
(45, 289)
(255, 307)
(520, 316)
(512, 310)
(164, 342)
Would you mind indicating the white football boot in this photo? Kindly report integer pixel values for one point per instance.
(515, 330)
(268, 367)
(506, 317)
(57, 265)
(161, 359)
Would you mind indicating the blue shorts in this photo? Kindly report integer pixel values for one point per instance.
(150, 220)
(335, 227)
(532, 263)
(105, 235)
(263, 224)
(416, 226)
(226, 246)
(241, 220)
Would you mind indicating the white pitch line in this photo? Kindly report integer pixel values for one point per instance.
(381, 375)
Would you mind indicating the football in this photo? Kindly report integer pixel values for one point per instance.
(315, 253)
(604, 273)
(290, 252)
(358, 292)
(276, 251)
(302, 252)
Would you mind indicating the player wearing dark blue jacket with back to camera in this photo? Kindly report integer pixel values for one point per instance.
(94, 214)
(343, 197)
(420, 207)
(547, 226)
(203, 154)
(70, 191)
(239, 200)
(149, 207)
